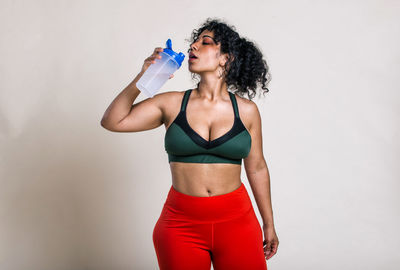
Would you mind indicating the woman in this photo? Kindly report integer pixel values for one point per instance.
(208, 216)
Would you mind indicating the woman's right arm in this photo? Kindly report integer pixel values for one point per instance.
(122, 116)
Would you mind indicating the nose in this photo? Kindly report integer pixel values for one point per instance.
(192, 46)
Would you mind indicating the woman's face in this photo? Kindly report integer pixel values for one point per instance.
(208, 54)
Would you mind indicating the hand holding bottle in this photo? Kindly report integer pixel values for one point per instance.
(152, 59)
(158, 68)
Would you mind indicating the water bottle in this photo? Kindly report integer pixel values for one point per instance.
(159, 72)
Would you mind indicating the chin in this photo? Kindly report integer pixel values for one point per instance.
(193, 70)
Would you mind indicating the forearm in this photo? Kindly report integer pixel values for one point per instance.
(261, 188)
(122, 104)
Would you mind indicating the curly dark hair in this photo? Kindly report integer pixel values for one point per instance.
(245, 66)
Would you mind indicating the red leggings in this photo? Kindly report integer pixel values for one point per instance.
(192, 232)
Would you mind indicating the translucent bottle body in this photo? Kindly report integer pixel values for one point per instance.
(157, 74)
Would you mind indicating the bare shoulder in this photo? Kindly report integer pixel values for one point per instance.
(248, 111)
(169, 103)
(166, 99)
(167, 96)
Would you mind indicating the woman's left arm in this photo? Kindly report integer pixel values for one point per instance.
(258, 175)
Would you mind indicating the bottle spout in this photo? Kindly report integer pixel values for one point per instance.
(177, 56)
(169, 44)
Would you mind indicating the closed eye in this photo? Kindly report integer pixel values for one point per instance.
(204, 43)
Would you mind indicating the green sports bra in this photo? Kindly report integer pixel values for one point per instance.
(183, 144)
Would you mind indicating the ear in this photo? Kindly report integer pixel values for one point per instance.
(225, 57)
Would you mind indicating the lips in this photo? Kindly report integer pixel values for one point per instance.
(192, 55)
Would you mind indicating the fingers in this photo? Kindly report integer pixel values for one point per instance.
(270, 248)
(155, 55)
(271, 253)
(158, 49)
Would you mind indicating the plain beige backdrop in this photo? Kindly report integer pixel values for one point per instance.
(74, 196)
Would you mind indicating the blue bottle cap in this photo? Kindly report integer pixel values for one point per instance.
(178, 57)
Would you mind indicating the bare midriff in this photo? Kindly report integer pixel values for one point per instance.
(205, 179)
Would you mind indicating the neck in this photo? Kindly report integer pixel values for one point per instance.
(212, 90)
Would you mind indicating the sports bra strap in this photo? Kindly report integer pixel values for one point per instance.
(234, 104)
(231, 95)
(185, 99)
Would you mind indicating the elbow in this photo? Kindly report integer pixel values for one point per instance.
(104, 124)
(110, 127)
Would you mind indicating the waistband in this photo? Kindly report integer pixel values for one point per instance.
(180, 206)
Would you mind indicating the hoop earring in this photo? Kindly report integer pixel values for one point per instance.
(221, 73)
